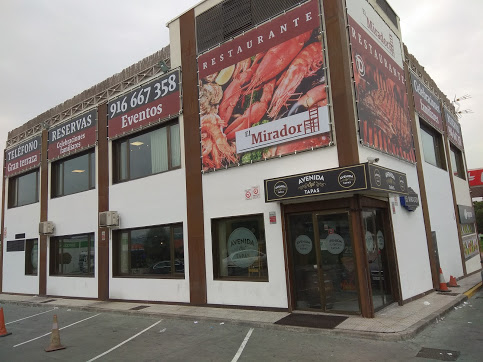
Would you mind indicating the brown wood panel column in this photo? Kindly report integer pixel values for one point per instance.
(103, 203)
(2, 224)
(447, 145)
(44, 203)
(433, 263)
(192, 139)
(364, 282)
(340, 67)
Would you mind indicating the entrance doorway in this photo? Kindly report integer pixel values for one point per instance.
(378, 255)
(324, 272)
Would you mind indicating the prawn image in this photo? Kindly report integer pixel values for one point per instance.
(284, 80)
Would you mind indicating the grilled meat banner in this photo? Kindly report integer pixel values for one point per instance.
(426, 103)
(380, 83)
(453, 129)
(263, 94)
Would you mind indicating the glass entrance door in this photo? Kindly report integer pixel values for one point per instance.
(323, 262)
(377, 257)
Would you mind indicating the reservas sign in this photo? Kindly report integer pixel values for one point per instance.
(144, 105)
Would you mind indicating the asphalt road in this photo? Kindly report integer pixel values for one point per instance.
(118, 337)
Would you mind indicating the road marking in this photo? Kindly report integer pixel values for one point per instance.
(21, 319)
(473, 290)
(46, 334)
(127, 340)
(244, 343)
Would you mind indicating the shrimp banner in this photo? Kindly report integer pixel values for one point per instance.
(263, 94)
(382, 101)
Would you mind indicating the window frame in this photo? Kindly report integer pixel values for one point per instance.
(29, 246)
(458, 160)
(117, 151)
(53, 272)
(13, 188)
(116, 245)
(59, 164)
(438, 146)
(216, 251)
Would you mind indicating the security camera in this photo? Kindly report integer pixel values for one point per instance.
(373, 159)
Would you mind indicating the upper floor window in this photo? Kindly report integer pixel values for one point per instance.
(23, 189)
(432, 146)
(148, 153)
(74, 174)
(457, 162)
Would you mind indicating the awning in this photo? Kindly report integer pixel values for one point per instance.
(361, 177)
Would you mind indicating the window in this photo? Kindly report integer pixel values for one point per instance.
(74, 174)
(432, 146)
(457, 162)
(148, 153)
(31, 256)
(23, 189)
(155, 251)
(72, 255)
(239, 251)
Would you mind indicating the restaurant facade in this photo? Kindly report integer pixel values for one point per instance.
(277, 154)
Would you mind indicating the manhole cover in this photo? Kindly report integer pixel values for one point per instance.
(450, 294)
(48, 301)
(139, 307)
(438, 354)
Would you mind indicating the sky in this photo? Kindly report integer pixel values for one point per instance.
(52, 50)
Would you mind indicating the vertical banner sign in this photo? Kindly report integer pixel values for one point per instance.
(23, 157)
(380, 84)
(475, 177)
(263, 93)
(426, 104)
(144, 105)
(453, 129)
(73, 135)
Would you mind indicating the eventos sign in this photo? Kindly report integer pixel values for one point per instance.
(426, 103)
(263, 94)
(150, 103)
(23, 157)
(453, 129)
(382, 101)
(73, 135)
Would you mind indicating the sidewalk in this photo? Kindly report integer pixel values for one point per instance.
(392, 323)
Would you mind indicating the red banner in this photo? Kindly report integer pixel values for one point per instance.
(475, 177)
(380, 83)
(23, 157)
(263, 94)
(73, 135)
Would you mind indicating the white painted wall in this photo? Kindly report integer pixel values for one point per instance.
(153, 200)
(73, 214)
(409, 231)
(224, 196)
(19, 220)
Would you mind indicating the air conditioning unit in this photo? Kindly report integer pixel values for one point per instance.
(46, 228)
(108, 219)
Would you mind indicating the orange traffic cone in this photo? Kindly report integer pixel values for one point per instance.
(443, 287)
(55, 337)
(452, 282)
(3, 330)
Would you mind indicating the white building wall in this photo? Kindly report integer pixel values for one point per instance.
(224, 196)
(19, 220)
(409, 230)
(71, 215)
(153, 200)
